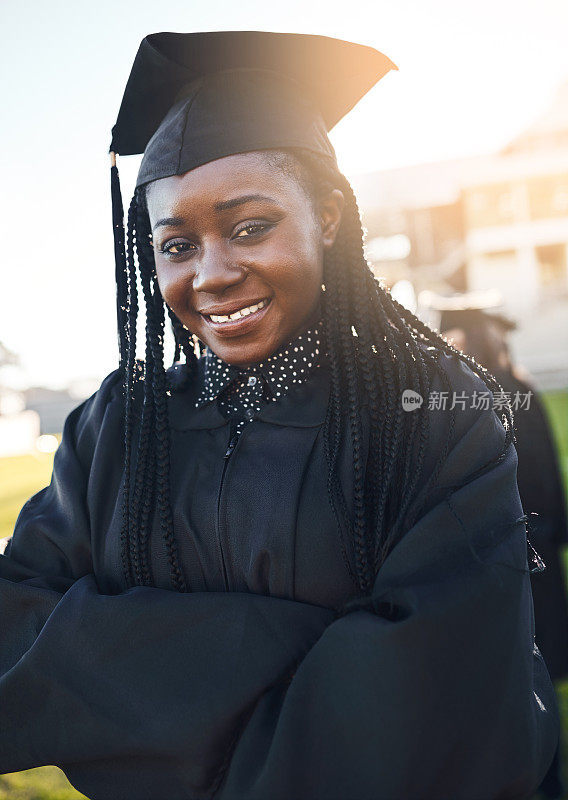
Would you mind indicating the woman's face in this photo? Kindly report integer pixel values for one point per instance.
(239, 249)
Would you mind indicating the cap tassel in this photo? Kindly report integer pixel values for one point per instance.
(121, 273)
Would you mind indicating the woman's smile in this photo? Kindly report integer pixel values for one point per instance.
(237, 320)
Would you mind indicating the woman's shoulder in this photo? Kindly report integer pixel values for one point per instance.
(107, 404)
(454, 368)
(471, 392)
(109, 391)
(109, 394)
(469, 428)
(101, 413)
(106, 408)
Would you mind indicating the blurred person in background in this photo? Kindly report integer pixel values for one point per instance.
(483, 333)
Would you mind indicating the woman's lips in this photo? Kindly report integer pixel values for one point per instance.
(238, 327)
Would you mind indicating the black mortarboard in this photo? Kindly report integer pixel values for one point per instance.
(467, 309)
(194, 97)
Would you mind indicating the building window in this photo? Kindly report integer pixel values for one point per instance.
(560, 199)
(478, 201)
(506, 205)
(497, 257)
(551, 260)
(549, 196)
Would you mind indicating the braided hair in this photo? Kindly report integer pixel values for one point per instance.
(376, 349)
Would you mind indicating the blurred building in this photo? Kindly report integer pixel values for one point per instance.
(497, 221)
(19, 428)
(26, 414)
(52, 407)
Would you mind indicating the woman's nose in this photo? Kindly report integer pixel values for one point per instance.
(215, 271)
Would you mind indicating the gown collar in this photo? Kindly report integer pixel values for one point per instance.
(303, 404)
(288, 365)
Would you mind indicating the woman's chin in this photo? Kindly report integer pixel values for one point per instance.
(249, 349)
(243, 356)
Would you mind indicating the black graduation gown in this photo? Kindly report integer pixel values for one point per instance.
(542, 495)
(253, 685)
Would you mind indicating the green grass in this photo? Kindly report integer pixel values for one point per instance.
(556, 404)
(44, 783)
(22, 476)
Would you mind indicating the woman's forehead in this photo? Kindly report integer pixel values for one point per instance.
(251, 175)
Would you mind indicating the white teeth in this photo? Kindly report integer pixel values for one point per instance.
(242, 312)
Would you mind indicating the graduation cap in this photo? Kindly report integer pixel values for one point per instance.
(468, 309)
(192, 98)
(195, 97)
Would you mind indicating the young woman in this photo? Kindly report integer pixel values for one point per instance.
(257, 574)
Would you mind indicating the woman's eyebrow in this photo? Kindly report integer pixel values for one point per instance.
(224, 205)
(167, 221)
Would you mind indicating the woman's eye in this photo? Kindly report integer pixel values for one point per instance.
(175, 248)
(251, 229)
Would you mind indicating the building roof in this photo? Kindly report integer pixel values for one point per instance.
(548, 129)
(540, 149)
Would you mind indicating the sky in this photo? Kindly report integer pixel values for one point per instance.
(471, 76)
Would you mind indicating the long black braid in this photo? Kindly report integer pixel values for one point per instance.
(375, 347)
(147, 490)
(391, 349)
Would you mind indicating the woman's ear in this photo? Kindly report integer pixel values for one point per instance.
(330, 213)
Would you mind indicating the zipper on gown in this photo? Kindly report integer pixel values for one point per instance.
(233, 439)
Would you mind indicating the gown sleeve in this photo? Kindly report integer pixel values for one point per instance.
(430, 688)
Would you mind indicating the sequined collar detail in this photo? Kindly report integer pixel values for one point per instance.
(241, 393)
